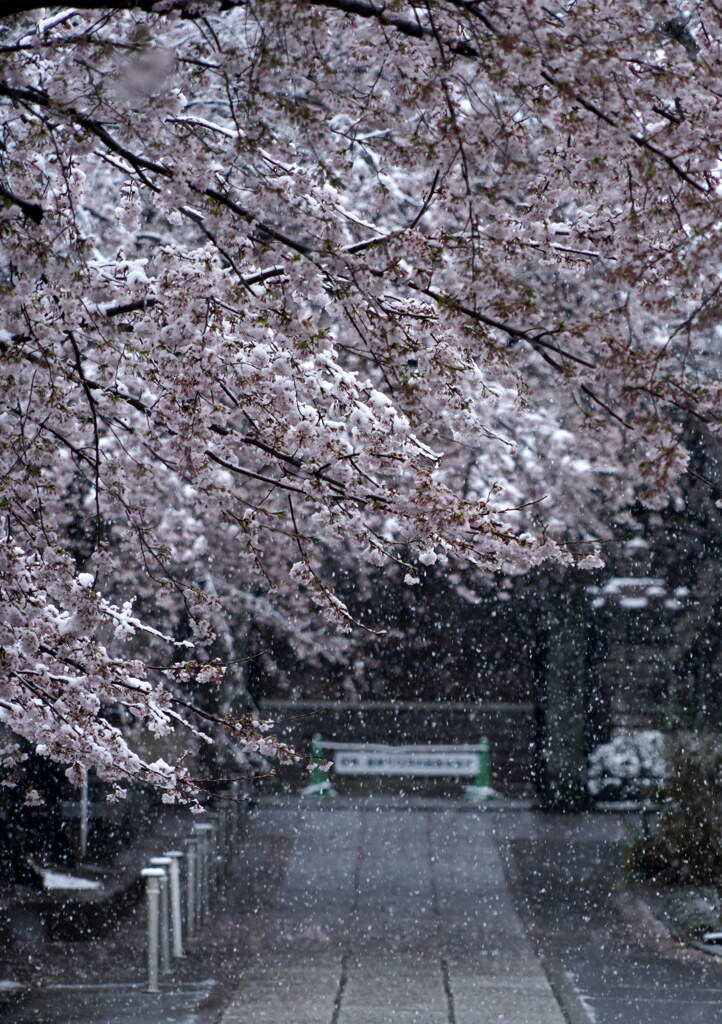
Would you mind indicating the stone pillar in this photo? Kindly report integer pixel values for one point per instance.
(562, 694)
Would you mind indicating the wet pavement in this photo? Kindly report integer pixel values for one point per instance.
(608, 957)
(405, 916)
(401, 911)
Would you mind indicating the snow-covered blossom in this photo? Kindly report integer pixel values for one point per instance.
(295, 283)
(593, 561)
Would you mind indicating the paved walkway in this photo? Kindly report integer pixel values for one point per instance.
(395, 911)
(386, 915)
(611, 960)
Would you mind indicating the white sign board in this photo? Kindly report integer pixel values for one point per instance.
(404, 762)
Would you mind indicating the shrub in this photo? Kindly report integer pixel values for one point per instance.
(686, 845)
(630, 767)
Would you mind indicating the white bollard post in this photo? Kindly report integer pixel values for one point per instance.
(153, 878)
(212, 838)
(205, 831)
(216, 858)
(214, 863)
(211, 863)
(222, 840)
(201, 876)
(191, 887)
(219, 859)
(175, 901)
(164, 863)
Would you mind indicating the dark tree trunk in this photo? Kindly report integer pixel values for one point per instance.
(561, 695)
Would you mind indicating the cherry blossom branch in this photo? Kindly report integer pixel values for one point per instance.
(32, 210)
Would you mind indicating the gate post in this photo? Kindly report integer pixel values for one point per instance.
(562, 695)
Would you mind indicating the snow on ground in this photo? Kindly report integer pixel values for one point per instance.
(57, 880)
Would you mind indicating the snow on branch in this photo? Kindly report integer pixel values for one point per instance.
(294, 286)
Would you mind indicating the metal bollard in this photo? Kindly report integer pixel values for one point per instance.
(202, 879)
(221, 857)
(212, 864)
(191, 887)
(175, 901)
(201, 875)
(227, 845)
(212, 839)
(164, 863)
(206, 833)
(153, 877)
(215, 860)
(222, 839)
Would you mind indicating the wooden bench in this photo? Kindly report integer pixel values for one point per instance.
(464, 760)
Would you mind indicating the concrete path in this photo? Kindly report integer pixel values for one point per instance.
(388, 915)
(612, 962)
(395, 910)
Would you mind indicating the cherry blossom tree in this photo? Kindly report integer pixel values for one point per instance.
(285, 283)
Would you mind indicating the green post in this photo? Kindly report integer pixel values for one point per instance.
(481, 788)
(319, 784)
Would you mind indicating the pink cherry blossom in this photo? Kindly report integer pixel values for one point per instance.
(291, 285)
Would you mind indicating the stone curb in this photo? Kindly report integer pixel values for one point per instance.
(666, 933)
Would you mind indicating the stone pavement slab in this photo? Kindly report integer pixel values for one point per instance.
(610, 960)
(395, 911)
(295, 994)
(407, 919)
